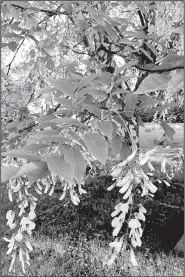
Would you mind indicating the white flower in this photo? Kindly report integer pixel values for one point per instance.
(18, 236)
(27, 225)
(10, 217)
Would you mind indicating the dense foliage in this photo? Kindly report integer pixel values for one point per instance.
(76, 79)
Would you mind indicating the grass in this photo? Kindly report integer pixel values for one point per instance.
(74, 241)
(152, 132)
(61, 257)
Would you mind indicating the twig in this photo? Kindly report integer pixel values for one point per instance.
(170, 206)
(141, 18)
(159, 70)
(31, 96)
(10, 64)
(47, 12)
(75, 51)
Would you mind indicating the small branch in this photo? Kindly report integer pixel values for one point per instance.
(87, 118)
(102, 47)
(75, 51)
(170, 206)
(56, 108)
(31, 96)
(159, 70)
(141, 18)
(10, 64)
(47, 12)
(11, 20)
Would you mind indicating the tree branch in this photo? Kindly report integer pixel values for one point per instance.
(49, 13)
(159, 70)
(102, 47)
(75, 51)
(10, 64)
(31, 96)
(141, 18)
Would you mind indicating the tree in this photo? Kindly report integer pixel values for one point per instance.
(91, 106)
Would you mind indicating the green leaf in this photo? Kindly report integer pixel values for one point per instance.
(44, 90)
(170, 132)
(64, 148)
(146, 54)
(83, 25)
(12, 46)
(151, 83)
(40, 173)
(71, 67)
(111, 32)
(174, 82)
(46, 133)
(64, 101)
(88, 100)
(128, 42)
(4, 75)
(179, 30)
(152, 48)
(140, 122)
(33, 147)
(4, 45)
(116, 144)
(105, 127)
(76, 160)
(32, 21)
(11, 35)
(172, 59)
(76, 137)
(125, 151)
(92, 109)
(63, 86)
(20, 154)
(137, 34)
(147, 101)
(104, 79)
(47, 117)
(60, 167)
(51, 138)
(8, 172)
(98, 93)
(25, 124)
(115, 128)
(130, 102)
(97, 146)
(68, 7)
(68, 120)
(114, 4)
(29, 168)
(14, 12)
(45, 124)
(161, 108)
(125, 66)
(49, 63)
(22, 4)
(87, 80)
(142, 7)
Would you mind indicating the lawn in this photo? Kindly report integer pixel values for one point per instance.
(63, 257)
(151, 132)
